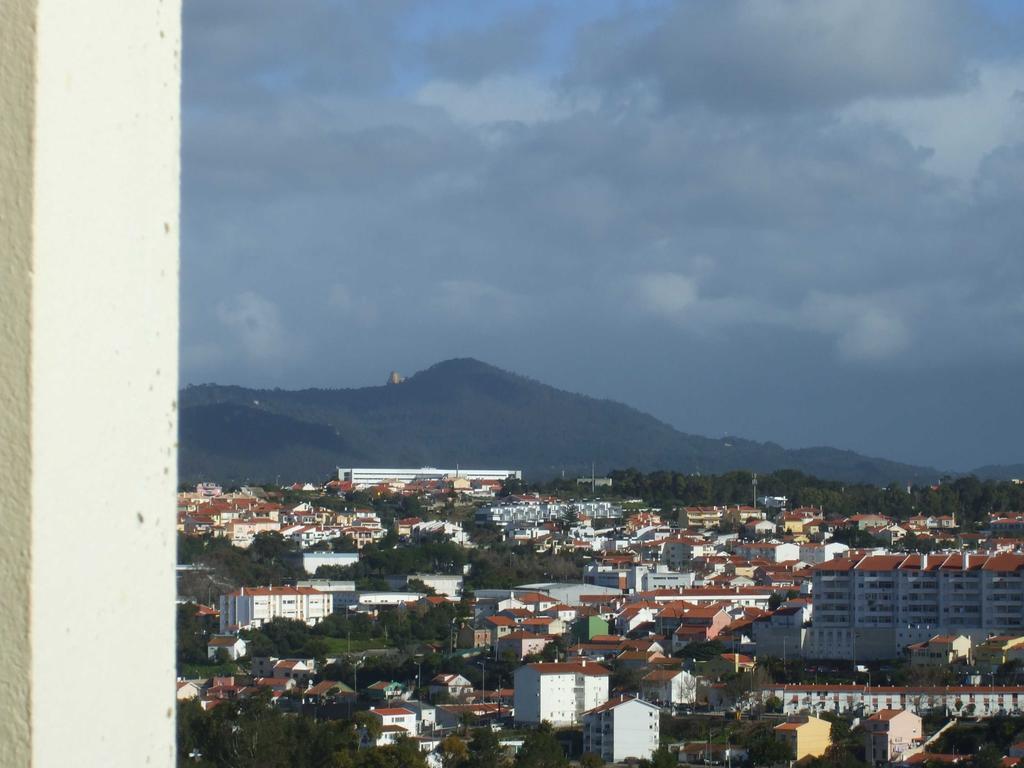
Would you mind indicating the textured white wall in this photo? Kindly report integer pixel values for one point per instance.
(90, 300)
(17, 105)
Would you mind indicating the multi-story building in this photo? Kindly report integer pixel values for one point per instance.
(997, 650)
(679, 551)
(529, 510)
(559, 692)
(251, 607)
(700, 518)
(874, 606)
(889, 733)
(806, 737)
(979, 701)
(622, 728)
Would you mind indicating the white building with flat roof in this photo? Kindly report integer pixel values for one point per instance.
(559, 692)
(251, 607)
(374, 475)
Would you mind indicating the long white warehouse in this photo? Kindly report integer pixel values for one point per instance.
(374, 475)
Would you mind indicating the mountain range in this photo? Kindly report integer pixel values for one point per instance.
(466, 412)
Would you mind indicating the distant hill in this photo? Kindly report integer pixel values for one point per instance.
(999, 472)
(470, 413)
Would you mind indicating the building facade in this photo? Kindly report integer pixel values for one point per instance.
(559, 692)
(873, 607)
(251, 607)
(622, 729)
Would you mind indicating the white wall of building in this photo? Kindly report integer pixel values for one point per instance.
(89, 146)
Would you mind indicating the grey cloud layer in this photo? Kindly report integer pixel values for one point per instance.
(686, 195)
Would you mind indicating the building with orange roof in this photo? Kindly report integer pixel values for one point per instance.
(622, 729)
(806, 737)
(559, 692)
(251, 607)
(940, 651)
(889, 733)
(873, 606)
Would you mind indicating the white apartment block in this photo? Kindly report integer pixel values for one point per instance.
(559, 692)
(872, 608)
(679, 551)
(621, 729)
(251, 607)
(542, 511)
(977, 701)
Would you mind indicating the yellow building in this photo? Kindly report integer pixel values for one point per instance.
(998, 650)
(809, 737)
(940, 651)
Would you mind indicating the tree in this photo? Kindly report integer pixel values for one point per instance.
(764, 749)
(485, 750)
(662, 758)
(989, 756)
(590, 760)
(541, 750)
(452, 751)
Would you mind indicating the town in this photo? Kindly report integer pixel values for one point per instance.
(459, 617)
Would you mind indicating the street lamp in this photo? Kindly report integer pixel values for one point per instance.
(483, 681)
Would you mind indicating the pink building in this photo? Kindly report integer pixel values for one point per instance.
(889, 733)
(523, 644)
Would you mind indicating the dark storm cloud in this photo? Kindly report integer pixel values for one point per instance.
(692, 217)
(509, 45)
(746, 55)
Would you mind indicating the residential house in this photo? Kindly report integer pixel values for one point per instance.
(997, 650)
(522, 644)
(231, 645)
(299, 670)
(940, 651)
(889, 733)
(700, 624)
(453, 686)
(383, 690)
(669, 687)
(394, 722)
(622, 729)
(806, 737)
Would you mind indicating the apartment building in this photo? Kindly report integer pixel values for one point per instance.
(874, 606)
(678, 552)
(251, 607)
(806, 737)
(621, 729)
(979, 701)
(700, 518)
(529, 510)
(889, 733)
(559, 692)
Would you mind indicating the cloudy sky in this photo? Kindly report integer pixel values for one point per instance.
(797, 221)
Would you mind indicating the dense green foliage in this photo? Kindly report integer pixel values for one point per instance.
(224, 567)
(469, 412)
(252, 734)
(969, 498)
